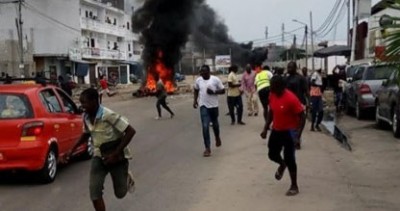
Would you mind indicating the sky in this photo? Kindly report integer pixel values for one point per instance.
(248, 19)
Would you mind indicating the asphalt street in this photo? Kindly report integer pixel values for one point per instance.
(171, 173)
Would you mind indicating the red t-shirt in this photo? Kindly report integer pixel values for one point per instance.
(103, 84)
(285, 110)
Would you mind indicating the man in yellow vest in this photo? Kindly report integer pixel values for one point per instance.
(262, 83)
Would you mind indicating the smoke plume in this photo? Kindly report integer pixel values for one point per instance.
(166, 25)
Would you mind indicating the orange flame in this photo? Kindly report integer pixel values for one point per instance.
(164, 73)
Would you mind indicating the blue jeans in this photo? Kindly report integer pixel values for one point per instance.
(317, 111)
(208, 115)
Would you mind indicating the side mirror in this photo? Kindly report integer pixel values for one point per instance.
(385, 82)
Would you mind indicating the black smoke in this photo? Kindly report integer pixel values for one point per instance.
(167, 24)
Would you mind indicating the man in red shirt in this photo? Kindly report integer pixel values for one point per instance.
(104, 88)
(286, 112)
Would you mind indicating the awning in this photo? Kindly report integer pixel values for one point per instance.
(335, 50)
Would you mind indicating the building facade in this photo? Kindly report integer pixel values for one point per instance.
(81, 38)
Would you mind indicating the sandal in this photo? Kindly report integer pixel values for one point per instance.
(279, 172)
(292, 192)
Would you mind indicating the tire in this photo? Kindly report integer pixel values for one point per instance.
(49, 170)
(395, 125)
(379, 123)
(359, 112)
(89, 150)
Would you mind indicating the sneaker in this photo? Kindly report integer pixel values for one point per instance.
(207, 153)
(241, 123)
(250, 114)
(157, 118)
(256, 114)
(172, 116)
(131, 183)
(318, 128)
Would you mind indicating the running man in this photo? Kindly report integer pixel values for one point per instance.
(262, 83)
(161, 94)
(317, 109)
(111, 133)
(206, 91)
(104, 88)
(286, 112)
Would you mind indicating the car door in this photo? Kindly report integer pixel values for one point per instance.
(354, 86)
(74, 118)
(58, 119)
(393, 89)
(383, 95)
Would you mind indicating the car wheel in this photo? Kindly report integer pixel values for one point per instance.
(49, 171)
(395, 125)
(359, 111)
(378, 121)
(89, 150)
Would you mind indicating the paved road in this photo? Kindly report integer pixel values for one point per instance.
(172, 174)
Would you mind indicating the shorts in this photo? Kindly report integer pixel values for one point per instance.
(105, 91)
(98, 173)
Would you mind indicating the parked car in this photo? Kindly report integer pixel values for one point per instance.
(361, 92)
(179, 77)
(39, 124)
(387, 102)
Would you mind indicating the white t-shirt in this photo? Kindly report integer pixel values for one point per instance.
(207, 100)
(317, 77)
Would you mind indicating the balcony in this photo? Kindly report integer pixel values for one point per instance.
(105, 54)
(98, 3)
(91, 24)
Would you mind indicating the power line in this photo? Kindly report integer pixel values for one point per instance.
(338, 19)
(329, 18)
(35, 10)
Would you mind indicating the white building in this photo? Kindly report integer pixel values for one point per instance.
(84, 38)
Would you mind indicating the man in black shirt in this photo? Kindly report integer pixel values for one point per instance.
(297, 84)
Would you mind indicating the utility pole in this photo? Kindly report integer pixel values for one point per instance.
(294, 49)
(266, 32)
(354, 34)
(312, 43)
(306, 32)
(19, 24)
(283, 37)
(348, 22)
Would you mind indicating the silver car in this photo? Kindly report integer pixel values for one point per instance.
(361, 92)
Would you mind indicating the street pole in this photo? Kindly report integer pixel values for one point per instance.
(294, 49)
(306, 47)
(354, 34)
(20, 40)
(283, 38)
(312, 43)
(348, 23)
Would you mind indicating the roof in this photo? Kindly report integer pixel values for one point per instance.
(335, 50)
(18, 88)
(383, 4)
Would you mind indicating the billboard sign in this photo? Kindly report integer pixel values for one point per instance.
(222, 61)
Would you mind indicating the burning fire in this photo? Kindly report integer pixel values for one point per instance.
(164, 73)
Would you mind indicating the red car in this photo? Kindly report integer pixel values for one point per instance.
(38, 125)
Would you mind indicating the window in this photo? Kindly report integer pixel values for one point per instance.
(14, 106)
(69, 105)
(92, 42)
(108, 45)
(378, 73)
(115, 21)
(127, 25)
(49, 100)
(91, 14)
(86, 13)
(129, 47)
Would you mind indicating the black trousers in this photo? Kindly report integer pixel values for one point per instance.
(238, 103)
(279, 140)
(162, 102)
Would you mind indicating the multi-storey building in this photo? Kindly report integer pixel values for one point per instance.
(83, 38)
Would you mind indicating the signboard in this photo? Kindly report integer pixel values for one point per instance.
(364, 9)
(222, 61)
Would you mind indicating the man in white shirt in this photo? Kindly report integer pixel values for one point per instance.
(206, 91)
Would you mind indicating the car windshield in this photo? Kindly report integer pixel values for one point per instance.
(379, 73)
(13, 106)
